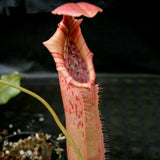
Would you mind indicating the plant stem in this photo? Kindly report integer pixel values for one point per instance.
(60, 125)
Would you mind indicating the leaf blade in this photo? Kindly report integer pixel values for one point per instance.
(6, 92)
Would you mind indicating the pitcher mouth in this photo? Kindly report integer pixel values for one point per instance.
(71, 54)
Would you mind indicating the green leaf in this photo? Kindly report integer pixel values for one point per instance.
(6, 92)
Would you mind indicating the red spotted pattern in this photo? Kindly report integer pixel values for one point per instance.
(75, 63)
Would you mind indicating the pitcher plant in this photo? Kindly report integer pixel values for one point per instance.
(77, 81)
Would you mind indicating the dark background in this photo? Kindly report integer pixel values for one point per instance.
(124, 38)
